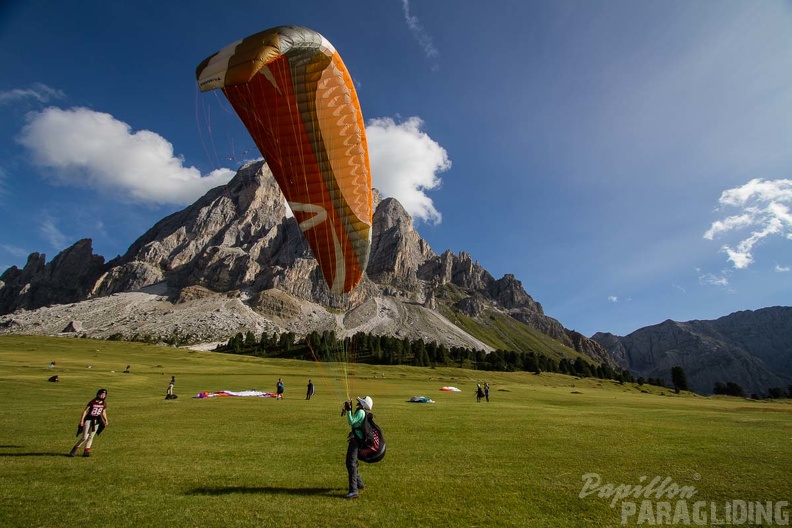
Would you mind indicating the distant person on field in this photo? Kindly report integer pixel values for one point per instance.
(310, 390)
(92, 421)
(279, 389)
(479, 392)
(169, 395)
(486, 391)
(52, 364)
(126, 370)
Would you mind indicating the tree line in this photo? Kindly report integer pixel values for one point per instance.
(388, 350)
(733, 389)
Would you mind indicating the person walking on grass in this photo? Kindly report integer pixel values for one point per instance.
(169, 394)
(486, 391)
(92, 421)
(279, 389)
(357, 420)
(310, 391)
(479, 392)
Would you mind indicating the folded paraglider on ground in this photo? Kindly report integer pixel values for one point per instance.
(420, 399)
(450, 389)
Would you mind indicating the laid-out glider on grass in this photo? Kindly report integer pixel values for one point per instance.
(247, 393)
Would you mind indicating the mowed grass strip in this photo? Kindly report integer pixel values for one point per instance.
(515, 461)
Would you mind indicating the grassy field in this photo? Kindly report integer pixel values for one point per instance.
(516, 461)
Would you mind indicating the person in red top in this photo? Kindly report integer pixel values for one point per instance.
(92, 421)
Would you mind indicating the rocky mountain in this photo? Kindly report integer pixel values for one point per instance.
(233, 261)
(750, 348)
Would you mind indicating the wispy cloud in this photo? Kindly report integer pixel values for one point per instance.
(613, 298)
(782, 269)
(3, 187)
(52, 233)
(95, 150)
(763, 208)
(405, 163)
(419, 33)
(38, 92)
(714, 279)
(680, 288)
(14, 250)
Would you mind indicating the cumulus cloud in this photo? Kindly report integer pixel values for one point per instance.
(93, 149)
(419, 33)
(405, 164)
(762, 210)
(38, 92)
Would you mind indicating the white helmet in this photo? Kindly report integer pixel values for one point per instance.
(367, 403)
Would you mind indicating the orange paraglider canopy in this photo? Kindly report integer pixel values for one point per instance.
(292, 91)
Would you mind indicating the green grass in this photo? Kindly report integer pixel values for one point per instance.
(517, 461)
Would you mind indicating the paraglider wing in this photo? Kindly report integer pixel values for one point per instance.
(292, 91)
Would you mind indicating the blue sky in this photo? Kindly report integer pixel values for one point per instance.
(628, 161)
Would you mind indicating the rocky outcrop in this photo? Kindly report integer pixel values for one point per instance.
(613, 346)
(509, 293)
(750, 348)
(397, 251)
(588, 347)
(68, 278)
(73, 327)
(224, 241)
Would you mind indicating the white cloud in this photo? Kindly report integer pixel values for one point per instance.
(419, 33)
(405, 163)
(762, 191)
(38, 92)
(740, 258)
(95, 150)
(764, 210)
(723, 226)
(613, 298)
(782, 269)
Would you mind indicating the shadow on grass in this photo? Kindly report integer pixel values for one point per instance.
(28, 454)
(34, 455)
(265, 490)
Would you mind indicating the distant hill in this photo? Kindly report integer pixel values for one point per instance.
(750, 348)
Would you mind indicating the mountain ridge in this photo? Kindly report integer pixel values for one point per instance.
(237, 253)
(749, 347)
